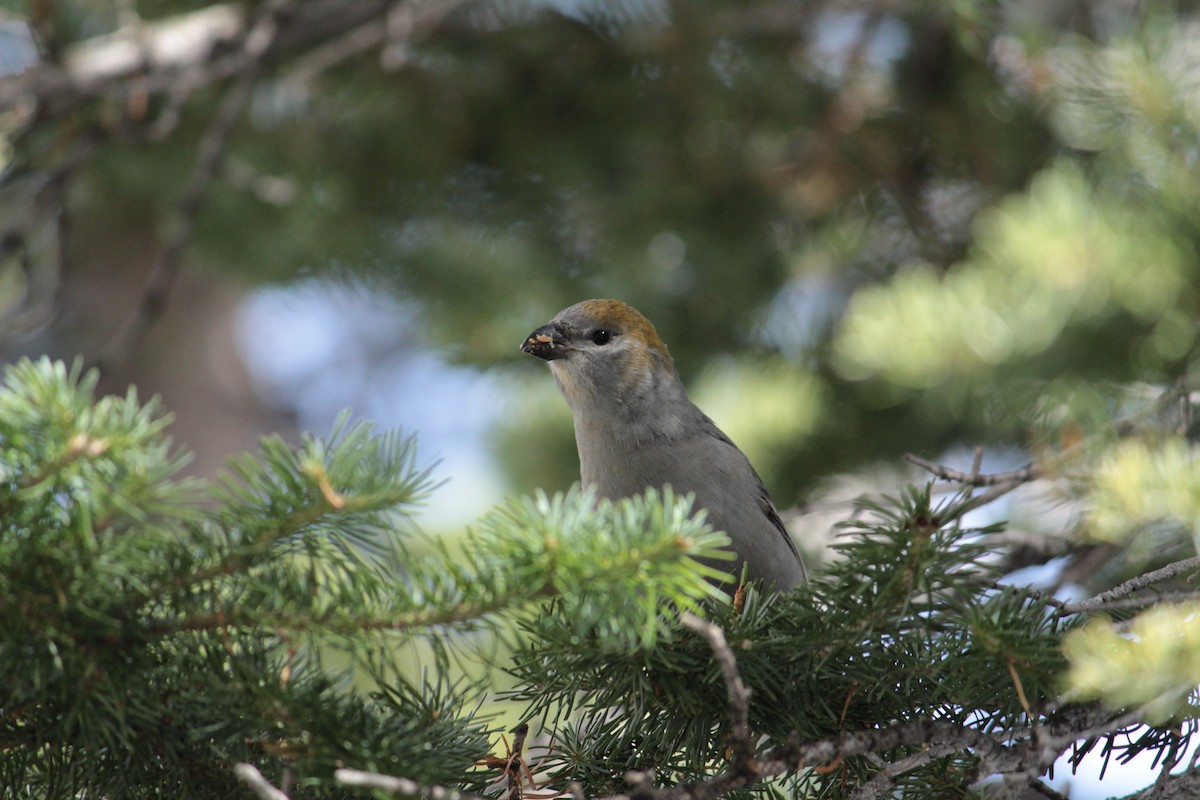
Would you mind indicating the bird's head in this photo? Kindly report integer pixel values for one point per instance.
(606, 357)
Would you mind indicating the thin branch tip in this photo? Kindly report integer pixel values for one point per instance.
(1116, 596)
(1030, 472)
(256, 783)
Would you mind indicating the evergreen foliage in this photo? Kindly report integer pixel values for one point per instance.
(150, 639)
(153, 640)
(156, 632)
(903, 626)
(863, 229)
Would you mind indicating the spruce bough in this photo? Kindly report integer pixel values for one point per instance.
(157, 631)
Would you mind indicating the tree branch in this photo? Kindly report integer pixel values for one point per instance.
(879, 786)
(176, 53)
(947, 737)
(740, 738)
(177, 56)
(1017, 755)
(1143, 601)
(1107, 598)
(1029, 472)
(262, 788)
(1005, 482)
(184, 53)
(386, 783)
(272, 622)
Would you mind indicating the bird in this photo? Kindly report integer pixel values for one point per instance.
(636, 428)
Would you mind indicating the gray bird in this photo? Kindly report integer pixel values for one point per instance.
(635, 427)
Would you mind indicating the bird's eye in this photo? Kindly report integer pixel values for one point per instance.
(601, 336)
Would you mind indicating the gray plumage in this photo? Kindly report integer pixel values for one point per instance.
(635, 427)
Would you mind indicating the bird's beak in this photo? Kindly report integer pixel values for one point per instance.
(548, 342)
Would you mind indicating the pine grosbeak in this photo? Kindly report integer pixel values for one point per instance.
(635, 427)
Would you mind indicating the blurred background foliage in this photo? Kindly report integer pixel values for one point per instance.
(862, 228)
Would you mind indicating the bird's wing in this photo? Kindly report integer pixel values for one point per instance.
(768, 508)
(764, 498)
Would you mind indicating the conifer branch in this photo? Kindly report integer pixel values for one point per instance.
(990, 746)
(879, 786)
(998, 483)
(254, 780)
(78, 447)
(740, 738)
(1108, 598)
(275, 621)
(186, 52)
(941, 739)
(1141, 601)
(434, 612)
(401, 786)
(280, 555)
(1029, 472)
(993, 494)
(240, 559)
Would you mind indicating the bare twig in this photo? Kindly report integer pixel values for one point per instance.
(1108, 598)
(1015, 755)
(990, 496)
(176, 54)
(880, 785)
(405, 21)
(286, 21)
(1005, 482)
(942, 738)
(516, 762)
(740, 738)
(998, 483)
(976, 462)
(396, 31)
(1048, 747)
(186, 52)
(1144, 601)
(512, 766)
(948, 737)
(336, 51)
(1029, 472)
(403, 786)
(177, 95)
(1063, 738)
(262, 788)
